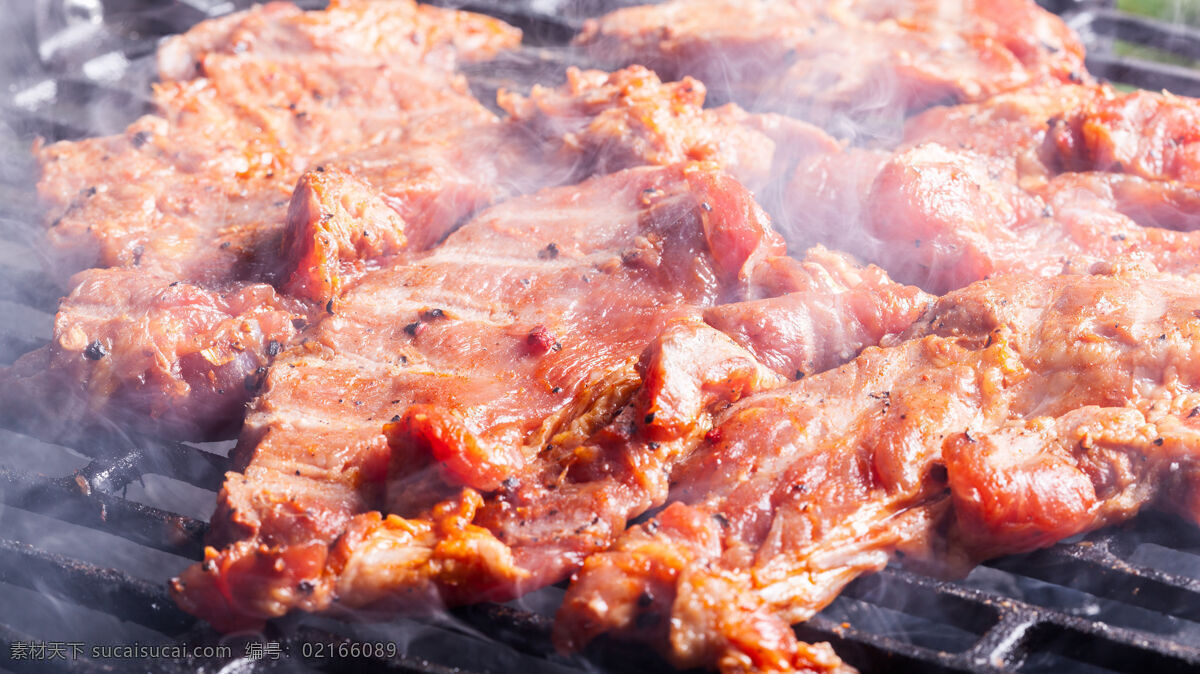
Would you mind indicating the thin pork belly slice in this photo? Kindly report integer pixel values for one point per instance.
(835, 308)
(1016, 412)
(1026, 182)
(400, 30)
(197, 194)
(595, 123)
(505, 402)
(526, 322)
(600, 122)
(149, 353)
(1146, 134)
(826, 199)
(836, 59)
(200, 191)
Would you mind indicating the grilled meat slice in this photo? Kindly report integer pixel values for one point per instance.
(861, 59)
(446, 159)
(1032, 483)
(826, 200)
(947, 217)
(929, 215)
(600, 122)
(834, 309)
(1025, 182)
(197, 194)
(594, 124)
(525, 323)
(1146, 134)
(1112, 214)
(216, 167)
(1012, 126)
(687, 373)
(794, 493)
(397, 30)
(338, 221)
(542, 371)
(661, 584)
(153, 354)
(1017, 412)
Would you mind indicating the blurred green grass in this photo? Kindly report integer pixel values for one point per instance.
(1184, 11)
(1176, 11)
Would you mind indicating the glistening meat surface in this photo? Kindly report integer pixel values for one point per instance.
(999, 187)
(402, 155)
(398, 30)
(1017, 412)
(867, 60)
(215, 165)
(475, 392)
(542, 370)
(197, 193)
(594, 124)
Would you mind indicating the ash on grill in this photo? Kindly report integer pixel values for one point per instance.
(91, 525)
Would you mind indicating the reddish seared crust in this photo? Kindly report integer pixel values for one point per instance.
(661, 590)
(685, 372)
(1029, 485)
(1019, 411)
(334, 216)
(163, 356)
(594, 124)
(597, 436)
(600, 122)
(391, 564)
(736, 229)
(1152, 135)
(430, 430)
(219, 585)
(1027, 182)
(848, 57)
(197, 194)
(1026, 493)
(400, 30)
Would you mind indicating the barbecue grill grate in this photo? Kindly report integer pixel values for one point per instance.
(1120, 600)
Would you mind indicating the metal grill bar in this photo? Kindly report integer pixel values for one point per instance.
(1178, 39)
(1019, 629)
(1101, 27)
(107, 590)
(72, 500)
(1095, 569)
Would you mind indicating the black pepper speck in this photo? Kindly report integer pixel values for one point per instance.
(95, 351)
